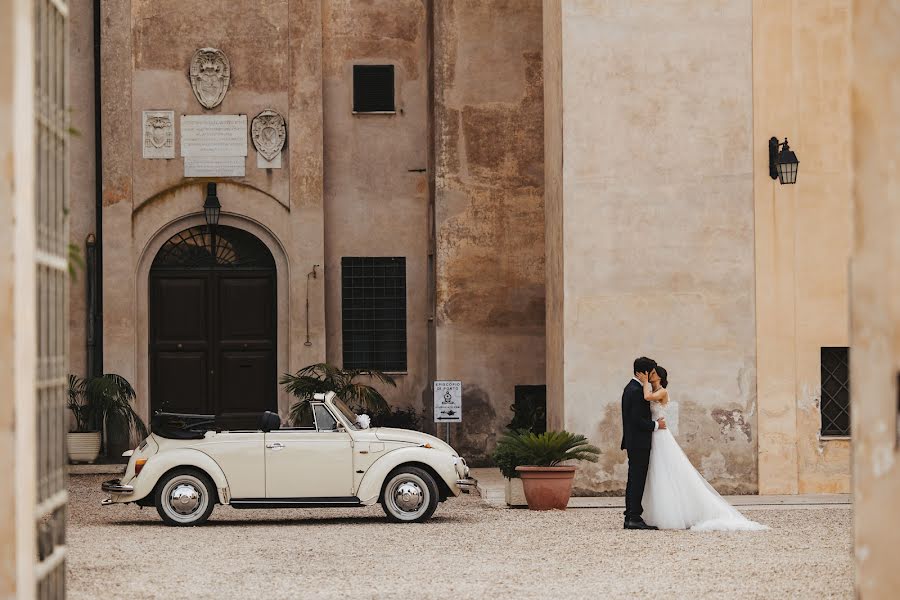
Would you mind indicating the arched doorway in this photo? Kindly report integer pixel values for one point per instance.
(212, 308)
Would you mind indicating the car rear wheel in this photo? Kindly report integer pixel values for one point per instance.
(185, 497)
(410, 495)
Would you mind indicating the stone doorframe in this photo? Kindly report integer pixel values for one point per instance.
(142, 301)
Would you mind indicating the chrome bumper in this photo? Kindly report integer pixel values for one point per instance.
(115, 486)
(467, 485)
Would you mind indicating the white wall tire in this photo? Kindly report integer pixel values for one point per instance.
(410, 495)
(185, 497)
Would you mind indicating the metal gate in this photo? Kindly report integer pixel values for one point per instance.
(51, 201)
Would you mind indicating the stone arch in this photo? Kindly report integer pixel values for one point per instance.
(144, 263)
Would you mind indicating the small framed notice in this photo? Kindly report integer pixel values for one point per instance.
(448, 401)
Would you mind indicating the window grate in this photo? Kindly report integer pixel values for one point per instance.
(373, 88)
(835, 405)
(373, 302)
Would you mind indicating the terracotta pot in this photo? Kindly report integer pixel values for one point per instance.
(83, 447)
(547, 488)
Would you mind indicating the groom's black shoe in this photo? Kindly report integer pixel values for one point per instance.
(637, 524)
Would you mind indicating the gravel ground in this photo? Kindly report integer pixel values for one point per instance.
(468, 550)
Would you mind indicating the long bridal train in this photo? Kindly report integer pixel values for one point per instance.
(676, 496)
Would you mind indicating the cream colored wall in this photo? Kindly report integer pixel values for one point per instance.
(801, 78)
(275, 52)
(375, 201)
(656, 226)
(17, 290)
(875, 324)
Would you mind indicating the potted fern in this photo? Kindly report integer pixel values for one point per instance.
(93, 401)
(546, 482)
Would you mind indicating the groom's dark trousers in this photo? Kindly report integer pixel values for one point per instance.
(637, 433)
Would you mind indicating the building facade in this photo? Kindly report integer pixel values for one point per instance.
(514, 194)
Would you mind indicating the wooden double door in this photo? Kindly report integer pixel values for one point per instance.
(213, 340)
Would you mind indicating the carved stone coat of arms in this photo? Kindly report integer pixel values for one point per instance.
(210, 75)
(159, 134)
(268, 132)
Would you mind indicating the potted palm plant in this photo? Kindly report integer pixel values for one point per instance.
(322, 377)
(93, 402)
(546, 482)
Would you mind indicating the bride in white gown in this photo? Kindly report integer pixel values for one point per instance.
(676, 496)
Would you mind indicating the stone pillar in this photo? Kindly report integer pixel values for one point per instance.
(649, 212)
(17, 288)
(875, 313)
(801, 81)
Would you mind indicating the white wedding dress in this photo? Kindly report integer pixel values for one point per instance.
(676, 496)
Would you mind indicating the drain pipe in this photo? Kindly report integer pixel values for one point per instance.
(96, 319)
(308, 275)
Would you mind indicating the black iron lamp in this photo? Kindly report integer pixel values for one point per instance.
(212, 207)
(783, 163)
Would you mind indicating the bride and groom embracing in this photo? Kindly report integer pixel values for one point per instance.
(663, 486)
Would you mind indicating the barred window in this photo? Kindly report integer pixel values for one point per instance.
(373, 88)
(373, 302)
(835, 366)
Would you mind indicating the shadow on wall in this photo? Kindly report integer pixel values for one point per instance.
(477, 436)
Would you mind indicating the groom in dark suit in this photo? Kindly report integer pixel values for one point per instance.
(637, 433)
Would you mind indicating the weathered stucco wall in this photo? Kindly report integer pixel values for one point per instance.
(801, 90)
(553, 213)
(275, 52)
(82, 189)
(875, 320)
(656, 226)
(376, 200)
(489, 218)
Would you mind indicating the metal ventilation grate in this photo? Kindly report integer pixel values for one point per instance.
(373, 302)
(835, 367)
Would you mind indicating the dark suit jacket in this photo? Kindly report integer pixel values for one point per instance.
(637, 424)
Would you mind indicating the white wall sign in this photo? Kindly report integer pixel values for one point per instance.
(159, 134)
(214, 166)
(448, 401)
(213, 135)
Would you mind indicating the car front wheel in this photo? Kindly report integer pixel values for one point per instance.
(410, 495)
(185, 497)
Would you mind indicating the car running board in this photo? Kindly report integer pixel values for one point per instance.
(340, 501)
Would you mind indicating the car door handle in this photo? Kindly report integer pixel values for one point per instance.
(275, 446)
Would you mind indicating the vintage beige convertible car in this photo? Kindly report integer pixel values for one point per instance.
(184, 469)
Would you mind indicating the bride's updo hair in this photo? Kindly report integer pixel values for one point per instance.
(663, 376)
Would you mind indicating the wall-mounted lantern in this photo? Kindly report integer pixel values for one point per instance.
(782, 164)
(212, 207)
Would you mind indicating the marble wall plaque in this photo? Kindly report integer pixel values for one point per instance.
(262, 163)
(214, 166)
(159, 134)
(213, 135)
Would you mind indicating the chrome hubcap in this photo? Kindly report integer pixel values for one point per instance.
(184, 499)
(408, 496)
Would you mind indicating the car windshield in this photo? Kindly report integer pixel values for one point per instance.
(345, 410)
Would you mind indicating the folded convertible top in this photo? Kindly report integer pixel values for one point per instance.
(178, 426)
